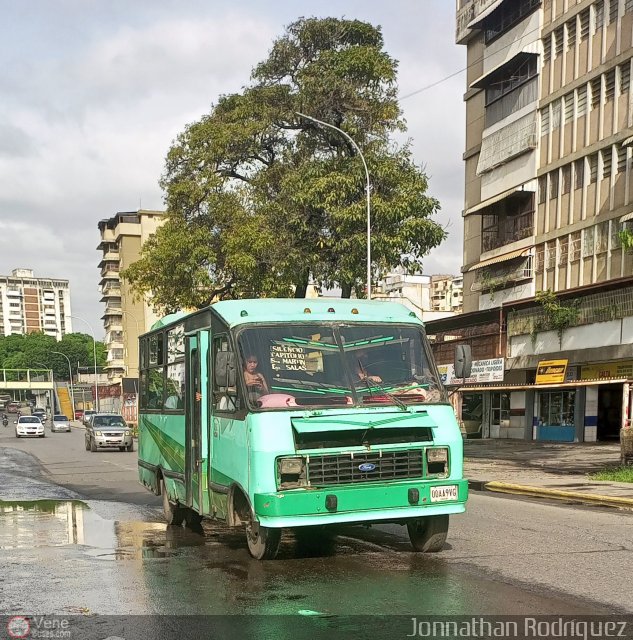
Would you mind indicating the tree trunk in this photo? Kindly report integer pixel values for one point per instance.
(301, 286)
(346, 290)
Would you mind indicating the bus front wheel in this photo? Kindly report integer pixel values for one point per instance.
(173, 514)
(263, 542)
(428, 534)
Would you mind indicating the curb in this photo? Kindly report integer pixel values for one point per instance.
(556, 494)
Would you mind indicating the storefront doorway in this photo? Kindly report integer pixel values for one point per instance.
(473, 414)
(609, 411)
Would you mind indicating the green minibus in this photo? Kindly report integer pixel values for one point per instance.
(302, 413)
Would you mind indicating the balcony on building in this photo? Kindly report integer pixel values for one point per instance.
(493, 17)
(112, 310)
(111, 290)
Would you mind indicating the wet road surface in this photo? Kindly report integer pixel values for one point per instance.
(65, 552)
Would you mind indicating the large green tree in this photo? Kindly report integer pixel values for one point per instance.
(260, 199)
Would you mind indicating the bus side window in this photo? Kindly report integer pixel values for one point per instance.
(225, 399)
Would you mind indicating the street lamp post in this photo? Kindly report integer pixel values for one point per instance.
(368, 190)
(70, 373)
(94, 353)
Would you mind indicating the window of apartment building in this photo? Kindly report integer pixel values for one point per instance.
(563, 250)
(609, 85)
(584, 25)
(510, 220)
(566, 171)
(571, 34)
(545, 121)
(524, 69)
(547, 49)
(593, 167)
(540, 259)
(628, 6)
(624, 78)
(621, 159)
(596, 92)
(569, 107)
(550, 255)
(613, 10)
(615, 235)
(556, 112)
(553, 184)
(606, 163)
(579, 174)
(602, 237)
(558, 42)
(587, 242)
(506, 16)
(581, 100)
(598, 15)
(574, 246)
(542, 189)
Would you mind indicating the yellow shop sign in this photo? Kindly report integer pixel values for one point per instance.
(551, 371)
(603, 370)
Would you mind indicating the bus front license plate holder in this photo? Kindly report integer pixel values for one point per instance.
(444, 493)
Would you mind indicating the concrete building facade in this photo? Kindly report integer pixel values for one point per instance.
(125, 317)
(29, 304)
(548, 208)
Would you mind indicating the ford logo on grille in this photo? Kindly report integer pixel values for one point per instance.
(366, 466)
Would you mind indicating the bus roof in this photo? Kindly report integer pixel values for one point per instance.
(237, 312)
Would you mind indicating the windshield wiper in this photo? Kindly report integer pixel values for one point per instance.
(380, 388)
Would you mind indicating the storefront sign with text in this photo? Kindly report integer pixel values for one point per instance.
(483, 371)
(551, 371)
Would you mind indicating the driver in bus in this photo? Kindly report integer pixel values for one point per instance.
(361, 362)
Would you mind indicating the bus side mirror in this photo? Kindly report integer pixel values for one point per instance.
(225, 369)
(463, 361)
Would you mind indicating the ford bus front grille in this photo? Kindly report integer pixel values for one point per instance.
(346, 468)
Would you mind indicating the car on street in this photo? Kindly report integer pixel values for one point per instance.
(79, 414)
(108, 430)
(60, 422)
(29, 426)
(86, 416)
(40, 413)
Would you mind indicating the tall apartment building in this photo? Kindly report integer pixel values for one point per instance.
(548, 191)
(447, 293)
(29, 304)
(124, 318)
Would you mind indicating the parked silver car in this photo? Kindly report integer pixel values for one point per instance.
(108, 430)
(60, 422)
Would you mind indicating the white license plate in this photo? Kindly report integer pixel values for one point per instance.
(444, 493)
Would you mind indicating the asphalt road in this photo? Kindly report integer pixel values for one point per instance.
(505, 556)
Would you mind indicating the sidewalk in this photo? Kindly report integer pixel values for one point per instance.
(551, 470)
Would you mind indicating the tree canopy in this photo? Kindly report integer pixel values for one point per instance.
(32, 350)
(260, 200)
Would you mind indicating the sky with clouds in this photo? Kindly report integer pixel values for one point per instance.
(94, 92)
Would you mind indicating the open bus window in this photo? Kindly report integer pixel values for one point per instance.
(225, 398)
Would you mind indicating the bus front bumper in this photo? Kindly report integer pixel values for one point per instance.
(357, 504)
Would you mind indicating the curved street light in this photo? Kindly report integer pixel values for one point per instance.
(94, 353)
(368, 190)
(70, 383)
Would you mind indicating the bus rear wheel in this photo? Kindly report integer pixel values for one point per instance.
(428, 534)
(173, 514)
(263, 542)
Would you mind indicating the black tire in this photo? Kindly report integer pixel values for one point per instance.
(174, 515)
(87, 444)
(121, 448)
(43, 435)
(93, 445)
(193, 519)
(428, 534)
(263, 542)
(130, 447)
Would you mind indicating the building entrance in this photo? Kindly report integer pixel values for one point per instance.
(609, 411)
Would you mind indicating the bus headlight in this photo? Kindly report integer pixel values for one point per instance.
(291, 473)
(437, 461)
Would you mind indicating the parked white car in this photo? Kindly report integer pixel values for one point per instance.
(60, 423)
(29, 426)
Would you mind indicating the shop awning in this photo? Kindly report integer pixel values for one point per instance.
(502, 196)
(502, 258)
(558, 385)
(475, 22)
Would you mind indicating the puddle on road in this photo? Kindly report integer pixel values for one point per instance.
(57, 523)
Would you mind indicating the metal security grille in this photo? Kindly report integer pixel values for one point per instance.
(344, 468)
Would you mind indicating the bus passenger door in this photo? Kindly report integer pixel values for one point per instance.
(193, 425)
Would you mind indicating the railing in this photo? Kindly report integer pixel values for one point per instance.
(492, 279)
(510, 229)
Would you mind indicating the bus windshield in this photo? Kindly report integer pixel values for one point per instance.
(334, 364)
